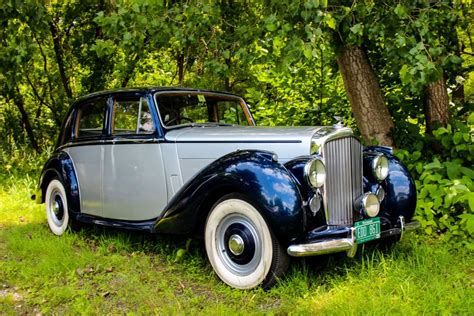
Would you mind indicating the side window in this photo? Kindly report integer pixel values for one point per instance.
(131, 115)
(90, 119)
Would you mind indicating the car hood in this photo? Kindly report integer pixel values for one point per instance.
(214, 142)
(241, 134)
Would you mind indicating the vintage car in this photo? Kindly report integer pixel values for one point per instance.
(184, 161)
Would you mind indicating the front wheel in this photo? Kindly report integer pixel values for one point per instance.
(241, 247)
(56, 207)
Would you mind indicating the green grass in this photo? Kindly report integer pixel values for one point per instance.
(99, 270)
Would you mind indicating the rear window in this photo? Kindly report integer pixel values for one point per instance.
(90, 119)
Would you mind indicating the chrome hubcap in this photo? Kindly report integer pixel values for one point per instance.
(236, 245)
(56, 207)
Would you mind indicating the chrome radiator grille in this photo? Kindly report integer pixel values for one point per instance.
(343, 158)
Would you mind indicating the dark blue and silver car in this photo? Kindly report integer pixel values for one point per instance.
(183, 161)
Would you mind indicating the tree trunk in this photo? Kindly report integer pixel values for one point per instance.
(20, 104)
(58, 51)
(436, 105)
(371, 113)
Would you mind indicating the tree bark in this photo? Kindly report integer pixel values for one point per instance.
(436, 105)
(20, 104)
(368, 105)
(58, 51)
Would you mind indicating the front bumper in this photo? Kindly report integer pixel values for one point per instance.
(334, 240)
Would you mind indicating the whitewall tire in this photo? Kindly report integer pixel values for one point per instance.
(57, 207)
(241, 247)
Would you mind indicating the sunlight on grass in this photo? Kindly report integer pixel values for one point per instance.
(107, 271)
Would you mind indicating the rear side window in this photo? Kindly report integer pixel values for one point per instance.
(90, 119)
(66, 131)
(131, 115)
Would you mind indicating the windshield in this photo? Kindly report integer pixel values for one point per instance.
(188, 108)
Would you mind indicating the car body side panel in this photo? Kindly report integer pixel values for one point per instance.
(134, 181)
(88, 162)
(265, 182)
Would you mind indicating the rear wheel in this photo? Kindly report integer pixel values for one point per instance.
(241, 247)
(57, 207)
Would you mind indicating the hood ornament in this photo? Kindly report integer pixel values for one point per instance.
(339, 123)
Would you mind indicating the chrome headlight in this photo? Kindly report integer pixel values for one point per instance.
(315, 173)
(380, 167)
(370, 204)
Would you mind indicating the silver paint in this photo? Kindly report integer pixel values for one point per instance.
(133, 182)
(88, 163)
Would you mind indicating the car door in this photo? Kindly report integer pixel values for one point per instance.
(87, 152)
(134, 181)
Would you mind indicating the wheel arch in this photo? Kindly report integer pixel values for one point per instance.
(399, 186)
(266, 183)
(61, 166)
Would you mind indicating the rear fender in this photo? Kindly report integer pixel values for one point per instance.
(266, 183)
(60, 166)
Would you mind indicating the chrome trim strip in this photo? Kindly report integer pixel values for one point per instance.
(326, 134)
(112, 142)
(324, 247)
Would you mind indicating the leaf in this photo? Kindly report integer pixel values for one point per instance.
(470, 200)
(136, 8)
(457, 138)
(453, 169)
(468, 172)
(357, 29)
(331, 23)
(404, 74)
(433, 165)
(401, 11)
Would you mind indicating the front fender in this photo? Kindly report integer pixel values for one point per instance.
(400, 190)
(265, 182)
(60, 165)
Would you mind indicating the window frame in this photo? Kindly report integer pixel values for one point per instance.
(76, 113)
(243, 104)
(110, 116)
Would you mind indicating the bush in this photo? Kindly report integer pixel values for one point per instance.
(445, 183)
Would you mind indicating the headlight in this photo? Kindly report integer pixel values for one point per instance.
(370, 204)
(315, 173)
(380, 167)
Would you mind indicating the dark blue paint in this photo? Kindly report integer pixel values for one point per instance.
(60, 165)
(266, 183)
(148, 225)
(327, 232)
(400, 190)
(296, 168)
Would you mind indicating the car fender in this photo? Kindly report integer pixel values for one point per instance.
(60, 165)
(255, 174)
(399, 186)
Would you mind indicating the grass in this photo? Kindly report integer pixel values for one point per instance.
(97, 270)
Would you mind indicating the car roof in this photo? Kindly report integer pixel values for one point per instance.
(147, 89)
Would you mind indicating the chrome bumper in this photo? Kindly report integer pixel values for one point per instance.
(327, 246)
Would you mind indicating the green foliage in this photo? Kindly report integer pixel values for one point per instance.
(445, 184)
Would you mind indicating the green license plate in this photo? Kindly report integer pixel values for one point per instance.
(368, 229)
